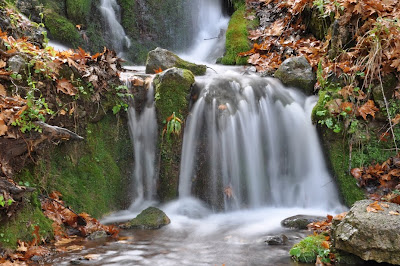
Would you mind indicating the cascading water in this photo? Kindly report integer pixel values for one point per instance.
(143, 129)
(210, 25)
(111, 14)
(262, 147)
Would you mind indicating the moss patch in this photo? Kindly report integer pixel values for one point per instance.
(339, 158)
(172, 93)
(78, 10)
(62, 29)
(308, 249)
(22, 225)
(92, 174)
(236, 38)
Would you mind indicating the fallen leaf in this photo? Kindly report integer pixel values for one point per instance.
(2, 63)
(159, 70)
(66, 87)
(394, 213)
(368, 108)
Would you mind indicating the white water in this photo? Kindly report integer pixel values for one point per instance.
(111, 14)
(210, 25)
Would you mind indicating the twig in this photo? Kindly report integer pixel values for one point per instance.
(212, 69)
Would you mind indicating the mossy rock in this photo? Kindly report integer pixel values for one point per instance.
(163, 59)
(236, 38)
(150, 218)
(62, 29)
(297, 72)
(78, 10)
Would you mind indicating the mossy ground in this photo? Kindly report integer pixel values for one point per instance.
(22, 225)
(236, 38)
(90, 174)
(78, 10)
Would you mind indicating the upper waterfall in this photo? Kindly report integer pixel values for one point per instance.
(210, 26)
(111, 13)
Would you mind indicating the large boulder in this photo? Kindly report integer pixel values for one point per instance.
(369, 235)
(164, 59)
(150, 218)
(297, 72)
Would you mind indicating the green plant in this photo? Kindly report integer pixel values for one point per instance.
(122, 96)
(3, 202)
(309, 248)
(173, 125)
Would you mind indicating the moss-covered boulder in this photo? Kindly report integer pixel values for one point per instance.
(62, 29)
(236, 38)
(163, 59)
(150, 218)
(172, 88)
(297, 72)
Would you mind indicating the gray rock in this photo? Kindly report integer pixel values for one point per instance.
(297, 72)
(369, 235)
(164, 59)
(150, 218)
(17, 64)
(97, 235)
(300, 221)
(277, 240)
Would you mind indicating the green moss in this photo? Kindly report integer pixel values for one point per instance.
(78, 10)
(309, 248)
(150, 218)
(128, 17)
(319, 107)
(62, 29)
(236, 38)
(22, 225)
(90, 174)
(97, 42)
(339, 158)
(172, 89)
(197, 70)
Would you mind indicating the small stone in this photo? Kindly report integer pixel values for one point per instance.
(277, 240)
(150, 218)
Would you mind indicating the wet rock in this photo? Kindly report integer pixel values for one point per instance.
(97, 235)
(297, 72)
(300, 221)
(150, 218)
(17, 64)
(369, 235)
(389, 83)
(277, 240)
(164, 59)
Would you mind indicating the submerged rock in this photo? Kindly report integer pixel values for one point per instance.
(164, 59)
(297, 72)
(300, 221)
(369, 235)
(277, 240)
(150, 218)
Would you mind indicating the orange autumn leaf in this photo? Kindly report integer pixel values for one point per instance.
(356, 172)
(65, 86)
(325, 244)
(368, 108)
(159, 70)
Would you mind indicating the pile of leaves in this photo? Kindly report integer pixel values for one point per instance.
(382, 181)
(65, 219)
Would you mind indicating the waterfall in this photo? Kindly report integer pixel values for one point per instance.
(111, 14)
(260, 145)
(210, 26)
(143, 130)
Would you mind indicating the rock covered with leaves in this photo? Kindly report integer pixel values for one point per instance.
(370, 230)
(150, 218)
(300, 221)
(161, 59)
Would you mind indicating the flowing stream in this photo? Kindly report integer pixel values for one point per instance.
(251, 157)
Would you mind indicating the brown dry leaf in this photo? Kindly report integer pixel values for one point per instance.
(374, 207)
(3, 91)
(325, 244)
(385, 205)
(66, 87)
(63, 112)
(2, 63)
(222, 107)
(74, 248)
(91, 256)
(356, 172)
(368, 108)
(396, 120)
(394, 213)
(136, 81)
(340, 216)
(228, 192)
(22, 246)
